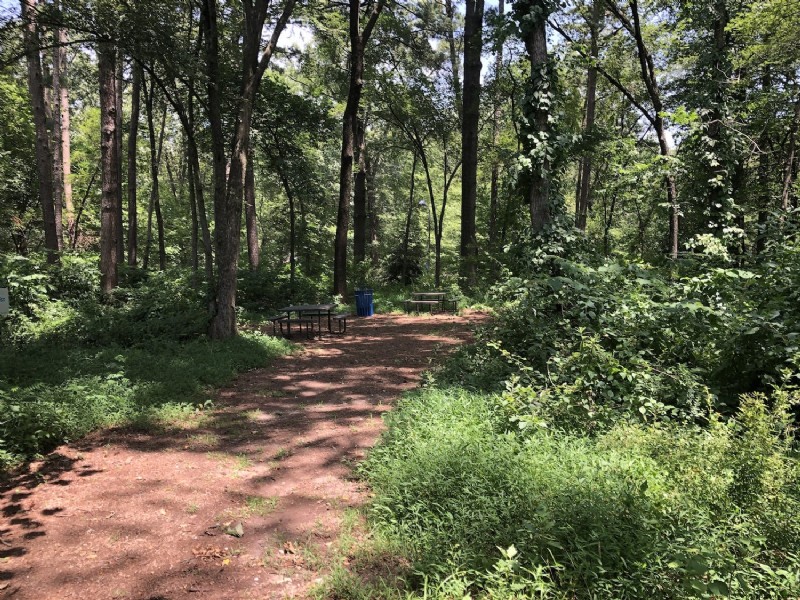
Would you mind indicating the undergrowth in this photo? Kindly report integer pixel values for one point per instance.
(74, 361)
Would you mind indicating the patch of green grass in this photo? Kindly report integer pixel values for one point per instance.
(192, 508)
(51, 393)
(282, 453)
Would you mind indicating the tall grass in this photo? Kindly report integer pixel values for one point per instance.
(660, 511)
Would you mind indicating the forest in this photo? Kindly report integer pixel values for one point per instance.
(613, 184)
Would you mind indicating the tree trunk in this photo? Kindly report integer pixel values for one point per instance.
(194, 160)
(584, 198)
(66, 152)
(539, 195)
(790, 159)
(195, 241)
(372, 211)
(357, 42)
(411, 205)
(292, 228)
(360, 196)
(109, 234)
(251, 223)
(454, 62)
(44, 156)
(58, 163)
(133, 135)
(496, 120)
(473, 46)
(155, 203)
(229, 187)
(118, 101)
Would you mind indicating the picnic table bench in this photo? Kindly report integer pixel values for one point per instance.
(431, 300)
(306, 313)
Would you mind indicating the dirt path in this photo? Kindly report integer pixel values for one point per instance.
(149, 514)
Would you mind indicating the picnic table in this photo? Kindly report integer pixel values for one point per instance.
(431, 300)
(305, 314)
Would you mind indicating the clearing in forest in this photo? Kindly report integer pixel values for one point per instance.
(245, 501)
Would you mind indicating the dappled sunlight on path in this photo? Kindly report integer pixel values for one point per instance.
(144, 513)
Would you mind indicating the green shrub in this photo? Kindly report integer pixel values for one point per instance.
(663, 511)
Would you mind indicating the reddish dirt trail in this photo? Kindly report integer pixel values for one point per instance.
(143, 514)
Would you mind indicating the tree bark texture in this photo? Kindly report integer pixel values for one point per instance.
(133, 136)
(251, 223)
(584, 196)
(454, 62)
(412, 204)
(360, 196)
(473, 46)
(58, 163)
(109, 161)
(494, 189)
(118, 101)
(44, 155)
(372, 210)
(66, 149)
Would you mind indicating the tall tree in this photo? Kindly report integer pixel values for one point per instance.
(584, 190)
(358, 41)
(44, 155)
(473, 47)
(360, 194)
(229, 175)
(109, 234)
(62, 97)
(531, 17)
(494, 189)
(251, 222)
(647, 70)
(133, 136)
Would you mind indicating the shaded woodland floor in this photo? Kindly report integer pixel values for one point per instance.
(244, 501)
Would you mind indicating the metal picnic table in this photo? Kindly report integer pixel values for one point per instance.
(313, 310)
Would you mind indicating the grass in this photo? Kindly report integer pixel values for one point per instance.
(57, 392)
(660, 511)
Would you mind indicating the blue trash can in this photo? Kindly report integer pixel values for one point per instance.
(364, 304)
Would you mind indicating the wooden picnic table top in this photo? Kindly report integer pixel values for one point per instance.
(429, 294)
(301, 308)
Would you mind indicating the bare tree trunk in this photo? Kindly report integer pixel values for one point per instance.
(109, 234)
(133, 135)
(372, 210)
(66, 152)
(496, 119)
(473, 46)
(44, 156)
(358, 40)
(292, 227)
(454, 62)
(229, 182)
(195, 241)
(58, 163)
(360, 196)
(584, 198)
(118, 101)
(194, 161)
(411, 205)
(155, 161)
(251, 222)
